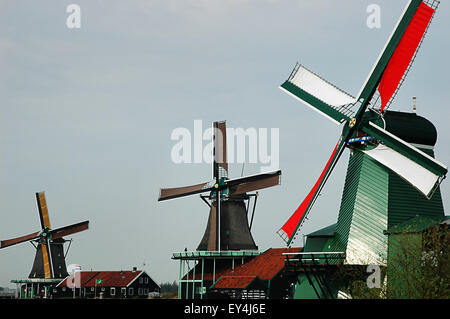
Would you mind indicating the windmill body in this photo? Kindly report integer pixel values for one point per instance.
(58, 262)
(234, 228)
(375, 198)
(392, 174)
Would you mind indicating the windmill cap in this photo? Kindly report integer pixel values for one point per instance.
(410, 127)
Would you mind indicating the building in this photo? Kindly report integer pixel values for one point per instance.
(199, 270)
(107, 284)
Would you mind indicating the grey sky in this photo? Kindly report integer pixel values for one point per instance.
(86, 115)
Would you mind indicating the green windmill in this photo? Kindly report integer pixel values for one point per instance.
(392, 175)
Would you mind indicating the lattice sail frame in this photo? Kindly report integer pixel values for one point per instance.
(323, 90)
(375, 102)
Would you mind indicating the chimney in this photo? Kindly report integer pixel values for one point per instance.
(134, 269)
(414, 104)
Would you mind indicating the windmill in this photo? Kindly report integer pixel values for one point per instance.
(389, 145)
(227, 227)
(49, 261)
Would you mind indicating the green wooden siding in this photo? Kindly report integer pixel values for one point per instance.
(364, 209)
(347, 202)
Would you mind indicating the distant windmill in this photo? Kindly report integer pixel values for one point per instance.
(402, 143)
(49, 261)
(227, 227)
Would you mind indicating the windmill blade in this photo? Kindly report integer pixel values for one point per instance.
(399, 52)
(290, 228)
(418, 168)
(18, 240)
(319, 94)
(170, 193)
(46, 258)
(220, 163)
(254, 182)
(68, 230)
(402, 59)
(43, 211)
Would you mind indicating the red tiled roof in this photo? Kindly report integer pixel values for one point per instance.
(265, 267)
(236, 282)
(108, 278)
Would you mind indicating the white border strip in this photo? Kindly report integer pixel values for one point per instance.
(408, 145)
(307, 104)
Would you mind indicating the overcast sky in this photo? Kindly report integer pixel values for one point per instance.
(86, 114)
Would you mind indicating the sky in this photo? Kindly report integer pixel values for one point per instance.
(86, 114)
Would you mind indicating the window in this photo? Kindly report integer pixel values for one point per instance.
(146, 280)
(140, 280)
(130, 291)
(112, 291)
(140, 291)
(123, 291)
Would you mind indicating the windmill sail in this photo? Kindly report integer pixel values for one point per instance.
(254, 182)
(289, 229)
(418, 176)
(404, 53)
(69, 230)
(46, 258)
(175, 192)
(18, 240)
(410, 163)
(220, 165)
(319, 94)
(42, 209)
(396, 58)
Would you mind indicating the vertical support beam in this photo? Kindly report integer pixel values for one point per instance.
(203, 271)
(214, 270)
(218, 217)
(193, 282)
(179, 279)
(187, 279)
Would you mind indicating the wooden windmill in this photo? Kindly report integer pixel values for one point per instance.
(392, 174)
(49, 261)
(227, 227)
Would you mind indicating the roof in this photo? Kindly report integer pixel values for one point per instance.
(120, 278)
(410, 127)
(264, 267)
(416, 224)
(236, 282)
(324, 232)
